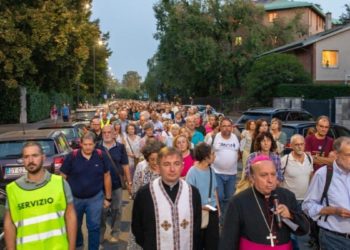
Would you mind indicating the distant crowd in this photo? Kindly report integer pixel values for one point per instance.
(180, 166)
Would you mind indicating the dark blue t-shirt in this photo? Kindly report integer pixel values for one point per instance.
(86, 177)
(120, 158)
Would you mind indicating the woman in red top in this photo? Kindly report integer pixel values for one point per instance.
(183, 144)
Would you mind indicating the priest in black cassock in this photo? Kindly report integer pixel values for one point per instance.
(250, 221)
(167, 211)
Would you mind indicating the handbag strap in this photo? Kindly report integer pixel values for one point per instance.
(113, 163)
(132, 151)
(210, 184)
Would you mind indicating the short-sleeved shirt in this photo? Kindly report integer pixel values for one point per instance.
(315, 146)
(120, 158)
(200, 178)
(226, 154)
(27, 184)
(197, 137)
(188, 162)
(296, 174)
(85, 176)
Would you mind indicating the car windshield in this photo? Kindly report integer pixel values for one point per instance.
(13, 149)
(87, 115)
(69, 133)
(253, 116)
(289, 131)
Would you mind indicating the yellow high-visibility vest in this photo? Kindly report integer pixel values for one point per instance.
(39, 215)
(104, 124)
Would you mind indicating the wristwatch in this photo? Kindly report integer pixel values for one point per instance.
(109, 200)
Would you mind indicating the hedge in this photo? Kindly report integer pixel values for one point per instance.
(313, 91)
(10, 105)
(39, 103)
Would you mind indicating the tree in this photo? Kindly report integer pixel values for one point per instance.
(270, 71)
(46, 44)
(131, 80)
(207, 47)
(345, 17)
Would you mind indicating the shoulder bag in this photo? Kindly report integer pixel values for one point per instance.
(117, 171)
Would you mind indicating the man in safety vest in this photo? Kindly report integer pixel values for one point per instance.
(40, 212)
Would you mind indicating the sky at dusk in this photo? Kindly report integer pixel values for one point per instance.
(131, 25)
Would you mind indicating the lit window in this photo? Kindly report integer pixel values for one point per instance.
(330, 58)
(272, 17)
(238, 41)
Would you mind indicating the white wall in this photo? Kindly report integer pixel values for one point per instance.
(340, 42)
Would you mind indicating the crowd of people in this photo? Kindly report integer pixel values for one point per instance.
(180, 167)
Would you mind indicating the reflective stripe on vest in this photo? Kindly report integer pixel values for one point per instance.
(39, 219)
(102, 123)
(38, 215)
(41, 236)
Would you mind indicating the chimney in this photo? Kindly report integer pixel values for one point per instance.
(328, 24)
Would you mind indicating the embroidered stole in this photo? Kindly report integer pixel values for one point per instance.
(174, 221)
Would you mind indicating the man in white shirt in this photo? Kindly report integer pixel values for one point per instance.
(297, 168)
(225, 146)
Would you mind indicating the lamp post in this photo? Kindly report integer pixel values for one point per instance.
(94, 73)
(99, 43)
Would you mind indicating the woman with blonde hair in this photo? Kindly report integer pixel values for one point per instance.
(278, 135)
(182, 143)
(246, 142)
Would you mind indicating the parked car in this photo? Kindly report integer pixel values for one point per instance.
(2, 214)
(72, 130)
(269, 113)
(53, 142)
(202, 108)
(301, 127)
(83, 115)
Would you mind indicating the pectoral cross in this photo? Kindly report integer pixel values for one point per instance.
(166, 225)
(271, 237)
(184, 223)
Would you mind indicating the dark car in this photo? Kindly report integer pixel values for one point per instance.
(269, 113)
(2, 214)
(72, 130)
(83, 115)
(301, 127)
(53, 142)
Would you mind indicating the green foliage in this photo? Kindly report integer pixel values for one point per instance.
(270, 71)
(38, 105)
(131, 80)
(10, 105)
(48, 45)
(126, 93)
(313, 91)
(207, 47)
(345, 17)
(59, 99)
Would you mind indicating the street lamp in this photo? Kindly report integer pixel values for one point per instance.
(99, 43)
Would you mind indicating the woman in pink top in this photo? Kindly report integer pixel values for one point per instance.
(183, 144)
(209, 124)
